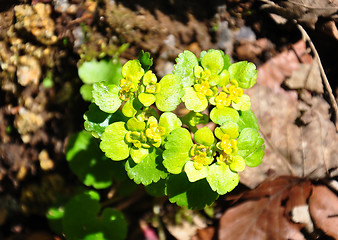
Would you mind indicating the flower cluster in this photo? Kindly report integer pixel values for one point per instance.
(159, 145)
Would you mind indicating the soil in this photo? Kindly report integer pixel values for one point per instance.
(44, 39)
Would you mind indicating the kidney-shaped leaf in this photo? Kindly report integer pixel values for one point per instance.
(193, 195)
(149, 170)
(177, 147)
(88, 162)
(97, 71)
(244, 72)
(170, 93)
(80, 219)
(184, 67)
(113, 143)
(106, 96)
(221, 178)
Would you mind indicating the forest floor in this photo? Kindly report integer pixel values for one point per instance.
(294, 190)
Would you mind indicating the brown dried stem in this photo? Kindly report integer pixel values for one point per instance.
(325, 80)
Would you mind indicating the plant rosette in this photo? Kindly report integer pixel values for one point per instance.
(171, 155)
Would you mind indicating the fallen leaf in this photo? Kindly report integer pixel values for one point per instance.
(307, 76)
(304, 12)
(277, 69)
(323, 205)
(292, 148)
(263, 214)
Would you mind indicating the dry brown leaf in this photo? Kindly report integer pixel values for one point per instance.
(300, 138)
(305, 12)
(277, 69)
(292, 148)
(307, 76)
(323, 205)
(264, 216)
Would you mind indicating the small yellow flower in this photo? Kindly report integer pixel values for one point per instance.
(200, 156)
(136, 138)
(203, 89)
(233, 90)
(222, 100)
(228, 145)
(153, 131)
(128, 88)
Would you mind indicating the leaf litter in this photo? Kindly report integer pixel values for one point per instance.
(301, 139)
(301, 144)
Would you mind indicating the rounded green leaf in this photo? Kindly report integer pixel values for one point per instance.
(94, 71)
(194, 174)
(113, 224)
(133, 124)
(193, 195)
(55, 216)
(184, 67)
(243, 104)
(170, 93)
(128, 109)
(204, 136)
(96, 120)
(222, 115)
(244, 72)
(253, 157)
(88, 162)
(230, 128)
(80, 214)
(227, 61)
(192, 101)
(213, 60)
(169, 121)
(247, 119)
(224, 78)
(81, 220)
(106, 96)
(247, 139)
(149, 170)
(221, 178)
(237, 163)
(86, 92)
(147, 99)
(132, 70)
(177, 147)
(113, 144)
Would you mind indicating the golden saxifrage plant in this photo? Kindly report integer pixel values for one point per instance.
(158, 145)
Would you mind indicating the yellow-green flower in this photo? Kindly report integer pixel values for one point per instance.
(222, 100)
(132, 73)
(228, 145)
(234, 91)
(154, 132)
(200, 156)
(203, 89)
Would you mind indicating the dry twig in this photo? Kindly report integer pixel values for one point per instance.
(325, 80)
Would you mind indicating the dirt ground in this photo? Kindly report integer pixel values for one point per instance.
(42, 43)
